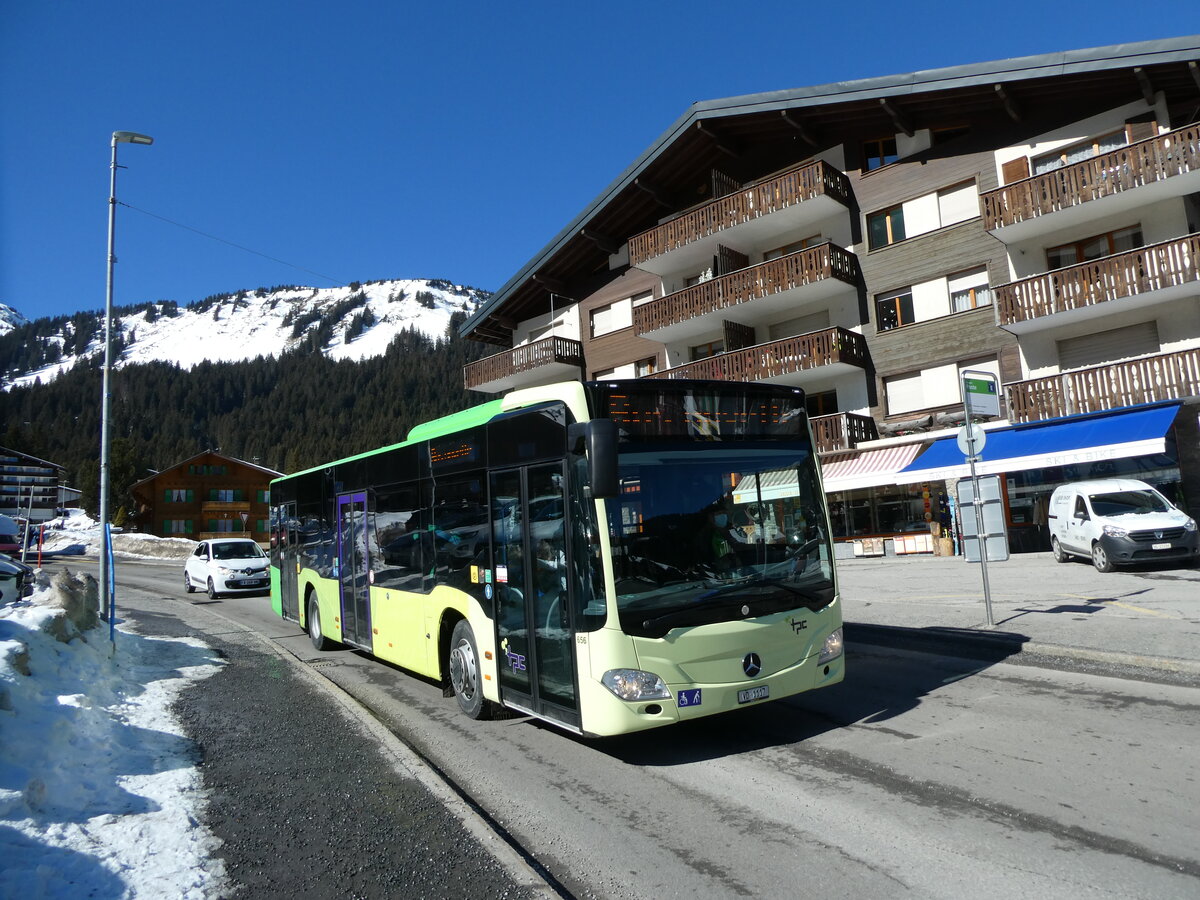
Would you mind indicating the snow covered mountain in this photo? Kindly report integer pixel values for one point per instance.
(10, 319)
(352, 322)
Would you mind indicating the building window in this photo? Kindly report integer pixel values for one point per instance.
(611, 317)
(879, 153)
(178, 495)
(639, 299)
(177, 526)
(885, 227)
(1065, 156)
(969, 290)
(958, 203)
(822, 404)
(601, 374)
(894, 310)
(1119, 241)
(647, 366)
(793, 247)
(704, 351)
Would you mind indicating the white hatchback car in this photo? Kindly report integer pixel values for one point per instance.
(226, 566)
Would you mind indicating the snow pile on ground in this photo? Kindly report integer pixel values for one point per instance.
(99, 794)
(78, 534)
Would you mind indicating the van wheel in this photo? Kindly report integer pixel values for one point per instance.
(1100, 559)
(464, 672)
(1060, 555)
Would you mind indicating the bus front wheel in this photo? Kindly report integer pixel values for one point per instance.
(464, 672)
(314, 625)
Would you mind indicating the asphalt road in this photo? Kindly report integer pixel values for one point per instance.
(920, 775)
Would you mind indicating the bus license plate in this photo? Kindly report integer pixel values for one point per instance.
(755, 693)
(1160, 546)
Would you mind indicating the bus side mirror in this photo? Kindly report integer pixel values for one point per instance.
(601, 437)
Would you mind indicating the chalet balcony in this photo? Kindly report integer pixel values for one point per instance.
(541, 362)
(842, 431)
(790, 361)
(1166, 376)
(1149, 275)
(1162, 167)
(774, 287)
(225, 506)
(747, 217)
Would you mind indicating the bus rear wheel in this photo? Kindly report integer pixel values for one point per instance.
(464, 672)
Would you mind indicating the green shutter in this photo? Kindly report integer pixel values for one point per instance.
(191, 496)
(187, 526)
(167, 495)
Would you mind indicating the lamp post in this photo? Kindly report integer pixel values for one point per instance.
(119, 137)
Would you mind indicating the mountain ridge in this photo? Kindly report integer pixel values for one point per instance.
(356, 321)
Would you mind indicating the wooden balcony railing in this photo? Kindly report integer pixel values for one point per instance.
(225, 506)
(1140, 271)
(816, 264)
(1167, 376)
(525, 358)
(777, 358)
(842, 431)
(1174, 153)
(768, 196)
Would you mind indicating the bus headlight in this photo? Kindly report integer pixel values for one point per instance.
(833, 647)
(633, 685)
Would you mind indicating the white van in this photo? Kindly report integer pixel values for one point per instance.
(1119, 521)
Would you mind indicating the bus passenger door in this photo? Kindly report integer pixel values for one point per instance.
(287, 555)
(352, 569)
(536, 647)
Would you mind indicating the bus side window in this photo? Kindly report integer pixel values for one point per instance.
(402, 538)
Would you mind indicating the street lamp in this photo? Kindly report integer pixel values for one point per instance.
(119, 137)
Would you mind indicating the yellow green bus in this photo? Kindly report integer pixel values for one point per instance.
(607, 556)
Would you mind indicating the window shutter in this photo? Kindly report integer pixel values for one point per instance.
(167, 495)
(1140, 129)
(1015, 169)
(1108, 346)
(191, 496)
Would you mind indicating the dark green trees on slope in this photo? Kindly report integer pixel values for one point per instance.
(285, 413)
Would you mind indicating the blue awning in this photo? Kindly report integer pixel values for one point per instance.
(1061, 442)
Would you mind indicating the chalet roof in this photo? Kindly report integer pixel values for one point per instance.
(718, 132)
(270, 473)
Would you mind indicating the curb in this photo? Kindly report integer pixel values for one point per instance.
(406, 760)
(1005, 646)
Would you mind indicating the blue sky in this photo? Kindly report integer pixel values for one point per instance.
(370, 140)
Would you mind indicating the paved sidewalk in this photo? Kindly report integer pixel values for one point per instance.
(1146, 618)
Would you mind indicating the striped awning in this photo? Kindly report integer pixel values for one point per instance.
(866, 468)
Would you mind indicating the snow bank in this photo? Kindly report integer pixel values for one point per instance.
(78, 534)
(99, 795)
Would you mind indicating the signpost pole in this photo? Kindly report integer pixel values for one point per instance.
(981, 534)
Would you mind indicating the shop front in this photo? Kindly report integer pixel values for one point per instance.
(1032, 460)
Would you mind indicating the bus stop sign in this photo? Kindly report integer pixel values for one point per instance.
(981, 394)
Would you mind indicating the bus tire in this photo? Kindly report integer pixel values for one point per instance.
(313, 621)
(465, 677)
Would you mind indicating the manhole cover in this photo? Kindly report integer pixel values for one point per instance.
(323, 663)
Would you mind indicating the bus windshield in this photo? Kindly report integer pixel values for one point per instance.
(707, 532)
